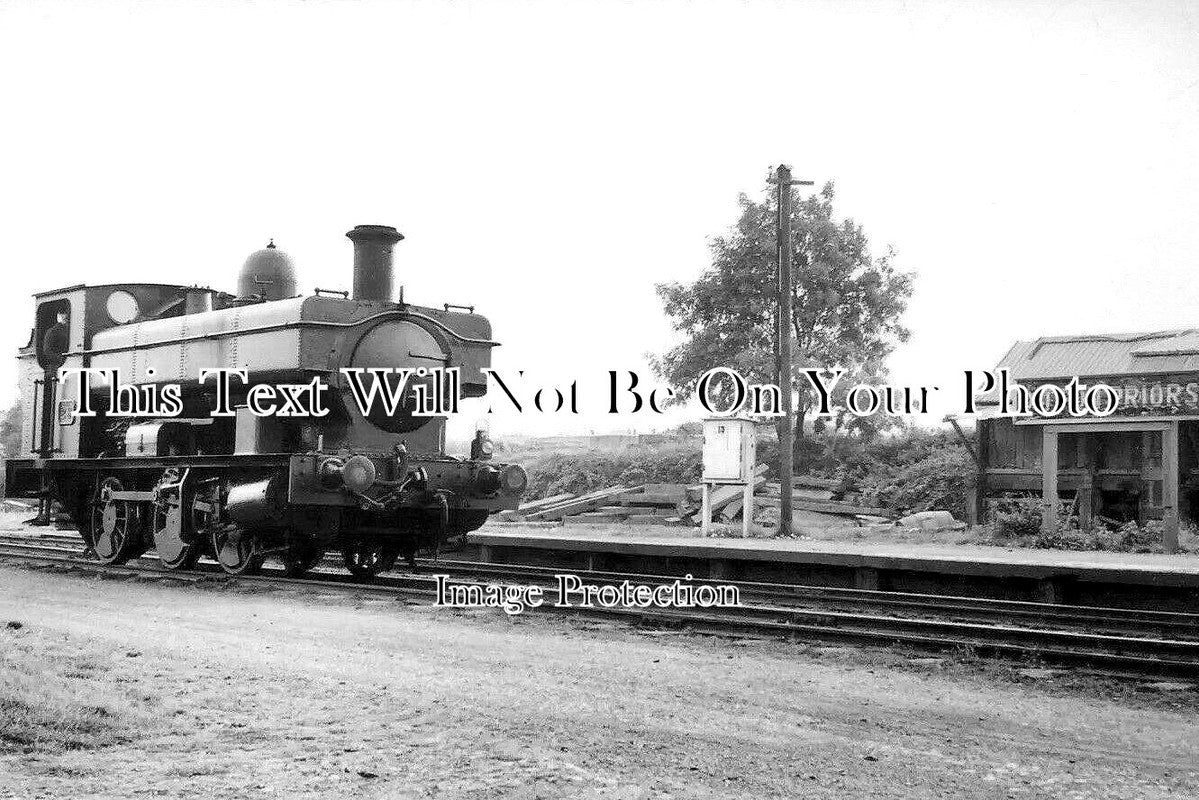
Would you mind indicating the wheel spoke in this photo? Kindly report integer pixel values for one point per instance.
(115, 532)
(174, 528)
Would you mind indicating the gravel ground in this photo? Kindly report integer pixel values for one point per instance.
(236, 693)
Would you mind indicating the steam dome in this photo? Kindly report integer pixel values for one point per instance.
(268, 273)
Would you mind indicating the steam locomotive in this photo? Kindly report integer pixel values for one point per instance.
(374, 481)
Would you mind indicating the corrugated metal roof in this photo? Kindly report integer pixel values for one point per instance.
(1052, 357)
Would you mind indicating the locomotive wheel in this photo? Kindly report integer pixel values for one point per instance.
(301, 556)
(116, 525)
(174, 534)
(236, 550)
(366, 559)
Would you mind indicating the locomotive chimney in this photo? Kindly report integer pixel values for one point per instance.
(372, 261)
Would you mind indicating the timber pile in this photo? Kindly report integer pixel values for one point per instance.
(677, 504)
(654, 501)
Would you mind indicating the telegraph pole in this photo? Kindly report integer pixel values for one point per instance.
(786, 426)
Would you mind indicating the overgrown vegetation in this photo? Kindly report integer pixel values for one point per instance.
(914, 470)
(578, 472)
(911, 469)
(1017, 523)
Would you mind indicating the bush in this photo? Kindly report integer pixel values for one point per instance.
(937, 481)
(1067, 538)
(1145, 538)
(914, 470)
(1014, 520)
(1018, 522)
(579, 472)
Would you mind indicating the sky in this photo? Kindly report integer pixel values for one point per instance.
(1034, 163)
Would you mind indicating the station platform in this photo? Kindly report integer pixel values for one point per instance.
(1054, 576)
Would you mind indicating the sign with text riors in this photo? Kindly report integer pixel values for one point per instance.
(1165, 395)
(1175, 395)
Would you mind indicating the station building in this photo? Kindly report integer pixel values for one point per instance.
(1140, 463)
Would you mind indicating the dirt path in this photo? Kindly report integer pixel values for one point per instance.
(291, 695)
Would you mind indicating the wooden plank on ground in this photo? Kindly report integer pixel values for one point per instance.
(832, 507)
(721, 497)
(583, 519)
(658, 494)
(639, 509)
(835, 507)
(814, 519)
(657, 499)
(654, 488)
(812, 482)
(731, 511)
(534, 505)
(584, 502)
(773, 489)
(728, 494)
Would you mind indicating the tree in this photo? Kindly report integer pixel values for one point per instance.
(848, 305)
(10, 435)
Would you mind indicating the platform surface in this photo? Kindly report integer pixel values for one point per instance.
(964, 559)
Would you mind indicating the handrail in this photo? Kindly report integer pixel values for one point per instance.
(303, 323)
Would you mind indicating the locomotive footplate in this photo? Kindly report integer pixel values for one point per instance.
(371, 480)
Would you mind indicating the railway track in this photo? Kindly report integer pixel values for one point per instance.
(1130, 621)
(1131, 642)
